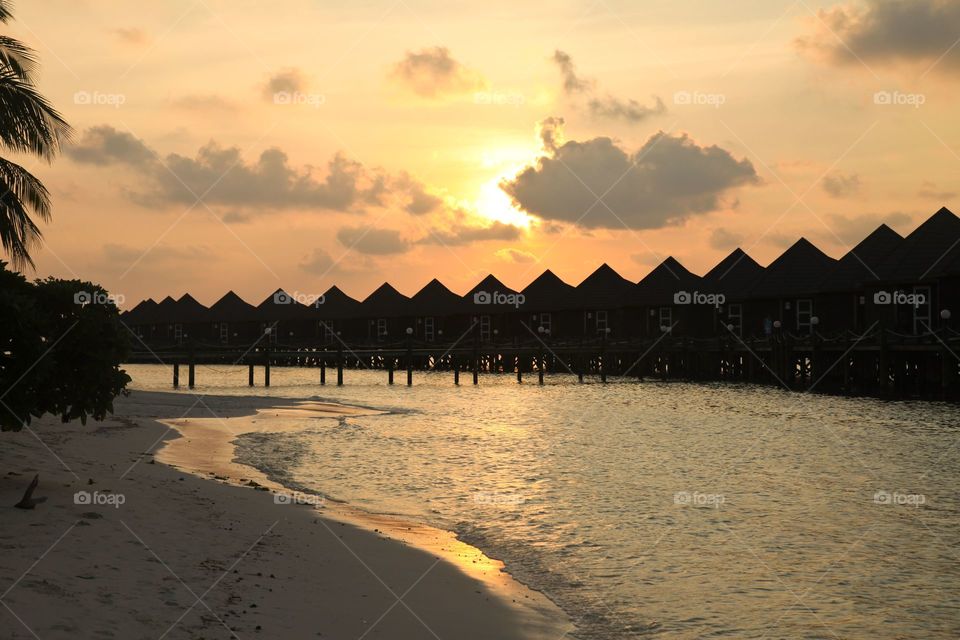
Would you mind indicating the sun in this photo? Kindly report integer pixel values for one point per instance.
(495, 205)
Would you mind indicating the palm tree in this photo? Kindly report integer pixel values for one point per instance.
(28, 124)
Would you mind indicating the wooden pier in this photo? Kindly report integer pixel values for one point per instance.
(881, 364)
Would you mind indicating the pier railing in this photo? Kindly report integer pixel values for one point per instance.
(878, 362)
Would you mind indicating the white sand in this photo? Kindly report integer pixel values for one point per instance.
(184, 557)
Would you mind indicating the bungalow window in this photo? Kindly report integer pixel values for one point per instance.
(428, 329)
(546, 321)
(735, 317)
(804, 314)
(484, 327)
(666, 319)
(178, 333)
(602, 321)
(921, 311)
(224, 332)
(327, 331)
(381, 327)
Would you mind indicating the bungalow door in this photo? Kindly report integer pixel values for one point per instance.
(804, 316)
(428, 328)
(921, 311)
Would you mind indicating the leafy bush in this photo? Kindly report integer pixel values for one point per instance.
(61, 345)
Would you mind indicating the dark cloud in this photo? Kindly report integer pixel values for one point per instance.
(516, 255)
(889, 31)
(629, 110)
(433, 73)
(286, 81)
(224, 179)
(724, 239)
(572, 83)
(104, 145)
(550, 131)
(318, 262)
(839, 185)
(667, 180)
(462, 233)
(931, 191)
(373, 241)
(608, 107)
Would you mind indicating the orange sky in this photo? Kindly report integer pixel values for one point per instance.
(252, 145)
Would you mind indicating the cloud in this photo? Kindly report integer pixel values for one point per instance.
(205, 103)
(572, 83)
(123, 256)
(629, 110)
(373, 241)
(130, 35)
(724, 239)
(550, 131)
(318, 262)
(931, 191)
(516, 255)
(667, 180)
(433, 73)
(461, 233)
(608, 107)
(286, 81)
(223, 178)
(888, 32)
(839, 185)
(853, 229)
(105, 145)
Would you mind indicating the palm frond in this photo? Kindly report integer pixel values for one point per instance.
(17, 56)
(20, 193)
(28, 122)
(6, 10)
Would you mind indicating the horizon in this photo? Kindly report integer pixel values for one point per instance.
(402, 140)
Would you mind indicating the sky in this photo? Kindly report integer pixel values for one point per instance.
(252, 145)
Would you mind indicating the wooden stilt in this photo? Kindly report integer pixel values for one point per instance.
(176, 376)
(191, 375)
(250, 375)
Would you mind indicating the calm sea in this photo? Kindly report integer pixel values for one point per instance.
(653, 509)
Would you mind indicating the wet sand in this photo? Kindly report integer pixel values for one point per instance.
(190, 544)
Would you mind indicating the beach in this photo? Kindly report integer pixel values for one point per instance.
(150, 530)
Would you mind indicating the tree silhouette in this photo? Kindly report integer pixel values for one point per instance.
(28, 124)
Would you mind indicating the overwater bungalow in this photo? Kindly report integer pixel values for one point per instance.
(335, 313)
(552, 305)
(491, 307)
(669, 300)
(733, 278)
(440, 314)
(603, 297)
(387, 314)
(285, 320)
(234, 320)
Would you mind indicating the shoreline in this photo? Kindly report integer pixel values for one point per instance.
(382, 564)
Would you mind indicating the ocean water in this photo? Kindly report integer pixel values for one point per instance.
(653, 509)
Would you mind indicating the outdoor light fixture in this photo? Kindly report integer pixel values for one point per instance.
(409, 331)
(814, 320)
(540, 329)
(729, 327)
(267, 331)
(777, 324)
(945, 314)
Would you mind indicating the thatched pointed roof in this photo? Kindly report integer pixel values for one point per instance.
(925, 251)
(335, 304)
(280, 305)
(605, 289)
(549, 293)
(143, 313)
(797, 271)
(385, 302)
(862, 264)
(232, 308)
(435, 299)
(667, 278)
(733, 276)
